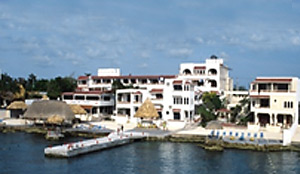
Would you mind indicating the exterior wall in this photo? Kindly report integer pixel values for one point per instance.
(170, 108)
(165, 105)
(109, 72)
(96, 107)
(132, 105)
(224, 82)
(4, 113)
(282, 102)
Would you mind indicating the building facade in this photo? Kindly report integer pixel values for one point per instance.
(174, 96)
(275, 101)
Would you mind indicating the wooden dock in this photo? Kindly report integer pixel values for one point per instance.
(87, 146)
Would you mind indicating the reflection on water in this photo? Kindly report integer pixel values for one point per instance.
(23, 153)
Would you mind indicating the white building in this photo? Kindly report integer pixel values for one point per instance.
(172, 95)
(211, 76)
(174, 101)
(96, 103)
(275, 104)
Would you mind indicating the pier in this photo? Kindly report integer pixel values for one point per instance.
(82, 147)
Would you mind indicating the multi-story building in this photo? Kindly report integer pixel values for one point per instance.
(274, 101)
(275, 104)
(174, 101)
(96, 103)
(210, 76)
(172, 95)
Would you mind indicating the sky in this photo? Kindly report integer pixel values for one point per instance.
(53, 38)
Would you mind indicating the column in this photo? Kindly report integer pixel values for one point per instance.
(255, 118)
(284, 121)
(98, 111)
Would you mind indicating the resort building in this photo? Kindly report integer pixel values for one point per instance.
(211, 76)
(274, 101)
(275, 104)
(174, 101)
(174, 96)
(96, 103)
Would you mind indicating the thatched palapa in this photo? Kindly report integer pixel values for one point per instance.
(17, 105)
(77, 109)
(44, 109)
(147, 110)
(55, 119)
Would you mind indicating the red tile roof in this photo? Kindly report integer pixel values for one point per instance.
(86, 92)
(129, 77)
(157, 91)
(177, 82)
(273, 80)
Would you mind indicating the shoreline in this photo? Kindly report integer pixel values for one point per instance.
(201, 140)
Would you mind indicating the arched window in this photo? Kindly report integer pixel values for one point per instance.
(212, 72)
(187, 72)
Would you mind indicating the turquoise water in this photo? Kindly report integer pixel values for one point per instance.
(23, 153)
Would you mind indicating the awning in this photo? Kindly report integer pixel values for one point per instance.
(199, 67)
(157, 91)
(86, 107)
(259, 96)
(177, 82)
(176, 110)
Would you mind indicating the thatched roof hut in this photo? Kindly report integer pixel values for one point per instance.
(17, 105)
(55, 119)
(44, 109)
(214, 125)
(77, 109)
(147, 110)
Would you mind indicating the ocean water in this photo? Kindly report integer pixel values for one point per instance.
(23, 153)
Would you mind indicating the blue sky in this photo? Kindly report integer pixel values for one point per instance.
(59, 38)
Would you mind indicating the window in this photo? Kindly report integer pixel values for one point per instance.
(92, 97)
(177, 87)
(79, 97)
(288, 104)
(265, 103)
(106, 98)
(68, 97)
(83, 82)
(133, 81)
(186, 101)
(186, 87)
(158, 96)
(177, 100)
(176, 116)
